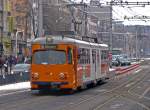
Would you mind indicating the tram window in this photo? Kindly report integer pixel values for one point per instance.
(84, 56)
(93, 56)
(69, 56)
(98, 60)
(49, 57)
(104, 54)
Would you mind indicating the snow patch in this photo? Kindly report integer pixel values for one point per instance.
(111, 69)
(16, 86)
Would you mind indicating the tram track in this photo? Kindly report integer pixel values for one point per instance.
(114, 96)
(138, 95)
(124, 96)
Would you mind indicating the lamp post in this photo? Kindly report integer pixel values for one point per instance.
(16, 48)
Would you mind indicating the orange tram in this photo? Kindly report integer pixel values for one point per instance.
(67, 64)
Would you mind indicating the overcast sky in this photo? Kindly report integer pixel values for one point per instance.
(119, 12)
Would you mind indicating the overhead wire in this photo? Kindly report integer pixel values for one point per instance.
(118, 14)
(130, 11)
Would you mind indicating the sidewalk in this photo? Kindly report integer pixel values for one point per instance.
(16, 86)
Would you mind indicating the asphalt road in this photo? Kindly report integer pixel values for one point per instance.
(124, 92)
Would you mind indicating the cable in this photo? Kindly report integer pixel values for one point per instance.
(117, 13)
(134, 13)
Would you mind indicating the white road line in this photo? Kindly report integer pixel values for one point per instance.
(130, 84)
(145, 92)
(138, 70)
(11, 93)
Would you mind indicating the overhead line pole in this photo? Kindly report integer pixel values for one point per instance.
(110, 40)
(136, 43)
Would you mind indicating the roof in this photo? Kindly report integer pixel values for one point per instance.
(60, 39)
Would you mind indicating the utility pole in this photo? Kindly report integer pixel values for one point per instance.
(40, 16)
(136, 42)
(1, 27)
(111, 36)
(85, 34)
(83, 8)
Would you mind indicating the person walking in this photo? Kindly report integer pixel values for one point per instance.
(10, 60)
(1, 64)
(6, 66)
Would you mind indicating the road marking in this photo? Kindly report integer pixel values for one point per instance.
(130, 84)
(139, 87)
(116, 106)
(101, 90)
(145, 92)
(113, 98)
(137, 71)
(11, 93)
(148, 80)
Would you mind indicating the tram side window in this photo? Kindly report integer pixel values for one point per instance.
(98, 59)
(94, 56)
(69, 56)
(88, 56)
(104, 54)
(84, 56)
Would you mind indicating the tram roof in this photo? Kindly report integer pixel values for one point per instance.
(61, 39)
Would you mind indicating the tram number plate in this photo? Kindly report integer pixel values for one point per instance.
(54, 86)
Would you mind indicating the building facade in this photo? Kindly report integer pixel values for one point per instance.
(21, 25)
(103, 14)
(5, 28)
(56, 16)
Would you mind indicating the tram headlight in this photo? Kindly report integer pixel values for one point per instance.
(35, 75)
(62, 76)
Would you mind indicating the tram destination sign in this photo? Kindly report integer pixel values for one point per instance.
(50, 46)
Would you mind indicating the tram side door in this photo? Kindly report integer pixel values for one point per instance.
(98, 66)
(94, 68)
(71, 54)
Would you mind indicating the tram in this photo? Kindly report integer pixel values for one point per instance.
(60, 62)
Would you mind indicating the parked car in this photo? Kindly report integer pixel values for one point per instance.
(115, 62)
(27, 60)
(21, 68)
(124, 61)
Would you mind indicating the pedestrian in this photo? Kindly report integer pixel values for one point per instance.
(6, 65)
(1, 63)
(10, 60)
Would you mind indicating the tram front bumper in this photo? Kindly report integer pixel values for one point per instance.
(49, 84)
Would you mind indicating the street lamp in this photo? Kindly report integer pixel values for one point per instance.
(21, 31)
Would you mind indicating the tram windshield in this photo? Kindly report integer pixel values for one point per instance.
(49, 57)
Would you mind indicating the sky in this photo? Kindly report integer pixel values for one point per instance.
(120, 12)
